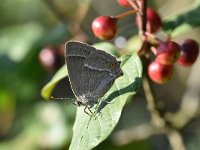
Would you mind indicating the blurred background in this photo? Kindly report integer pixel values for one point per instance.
(32, 38)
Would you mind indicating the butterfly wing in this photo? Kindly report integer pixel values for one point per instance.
(99, 72)
(91, 72)
(75, 56)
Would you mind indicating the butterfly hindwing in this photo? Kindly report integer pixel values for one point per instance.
(97, 75)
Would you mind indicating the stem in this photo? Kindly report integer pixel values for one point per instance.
(143, 17)
(153, 49)
(151, 105)
(126, 14)
(133, 3)
(142, 28)
(174, 137)
(175, 140)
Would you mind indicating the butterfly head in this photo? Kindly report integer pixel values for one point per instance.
(115, 68)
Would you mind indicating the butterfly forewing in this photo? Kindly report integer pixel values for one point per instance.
(75, 55)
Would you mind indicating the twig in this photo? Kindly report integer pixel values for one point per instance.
(143, 16)
(141, 132)
(151, 105)
(126, 14)
(175, 140)
(142, 27)
(174, 137)
(133, 3)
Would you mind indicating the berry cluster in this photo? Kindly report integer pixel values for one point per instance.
(167, 53)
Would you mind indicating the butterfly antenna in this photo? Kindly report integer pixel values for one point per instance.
(68, 100)
(59, 98)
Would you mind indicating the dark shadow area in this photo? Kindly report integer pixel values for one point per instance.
(63, 89)
(130, 88)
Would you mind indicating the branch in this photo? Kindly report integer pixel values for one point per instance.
(143, 17)
(137, 133)
(157, 120)
(142, 28)
(175, 140)
(174, 137)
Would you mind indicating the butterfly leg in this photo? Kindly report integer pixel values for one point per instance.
(101, 104)
(96, 110)
(89, 109)
(86, 111)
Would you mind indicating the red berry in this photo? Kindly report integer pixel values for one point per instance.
(104, 27)
(51, 58)
(124, 3)
(189, 52)
(160, 73)
(168, 52)
(153, 23)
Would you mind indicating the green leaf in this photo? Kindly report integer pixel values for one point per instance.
(133, 44)
(48, 88)
(180, 30)
(184, 21)
(174, 8)
(17, 48)
(107, 47)
(110, 111)
(89, 133)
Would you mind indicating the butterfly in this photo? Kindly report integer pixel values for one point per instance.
(91, 73)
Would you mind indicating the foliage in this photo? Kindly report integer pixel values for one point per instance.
(29, 122)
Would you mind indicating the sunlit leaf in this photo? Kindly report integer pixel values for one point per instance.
(89, 133)
(123, 88)
(107, 47)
